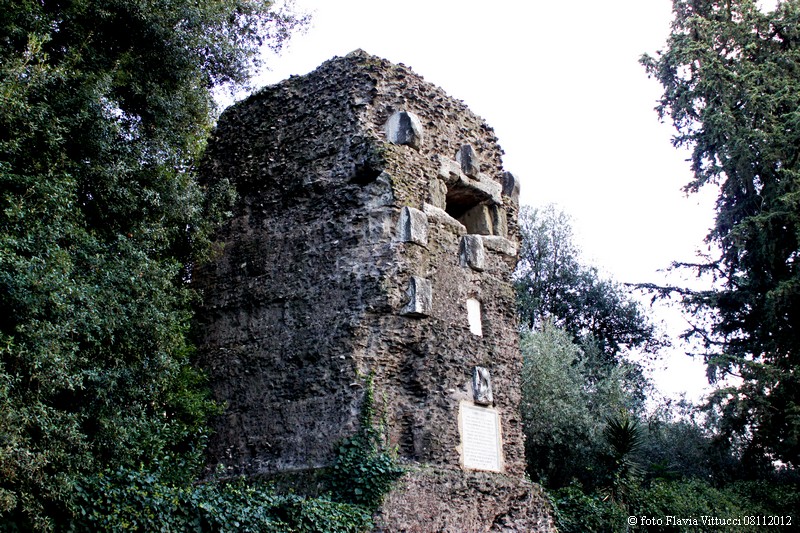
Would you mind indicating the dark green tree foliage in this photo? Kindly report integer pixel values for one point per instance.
(104, 107)
(731, 77)
(756, 502)
(552, 283)
(679, 446)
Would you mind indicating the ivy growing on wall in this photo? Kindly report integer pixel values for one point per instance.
(365, 467)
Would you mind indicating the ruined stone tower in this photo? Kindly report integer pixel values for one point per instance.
(375, 232)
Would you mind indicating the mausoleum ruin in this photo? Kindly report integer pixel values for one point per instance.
(375, 233)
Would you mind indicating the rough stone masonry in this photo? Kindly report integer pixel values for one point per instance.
(375, 231)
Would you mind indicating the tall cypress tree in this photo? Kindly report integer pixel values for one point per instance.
(731, 78)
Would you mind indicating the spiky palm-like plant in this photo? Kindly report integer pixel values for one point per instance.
(624, 438)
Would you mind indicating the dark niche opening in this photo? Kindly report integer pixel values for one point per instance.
(466, 205)
(365, 173)
(459, 200)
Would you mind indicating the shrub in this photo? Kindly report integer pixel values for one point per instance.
(578, 512)
(128, 500)
(691, 498)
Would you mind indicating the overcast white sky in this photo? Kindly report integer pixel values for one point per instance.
(561, 85)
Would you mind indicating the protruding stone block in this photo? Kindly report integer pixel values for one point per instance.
(381, 192)
(490, 187)
(499, 221)
(471, 252)
(478, 220)
(440, 216)
(468, 160)
(404, 127)
(511, 186)
(437, 193)
(420, 298)
(449, 170)
(413, 226)
(482, 386)
(474, 317)
(499, 244)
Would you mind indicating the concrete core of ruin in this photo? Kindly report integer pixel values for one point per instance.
(375, 231)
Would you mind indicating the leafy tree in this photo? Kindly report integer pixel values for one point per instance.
(731, 78)
(553, 284)
(564, 406)
(677, 445)
(104, 107)
(575, 373)
(559, 428)
(548, 267)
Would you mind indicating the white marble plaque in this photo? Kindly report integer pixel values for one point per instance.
(481, 443)
(474, 317)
